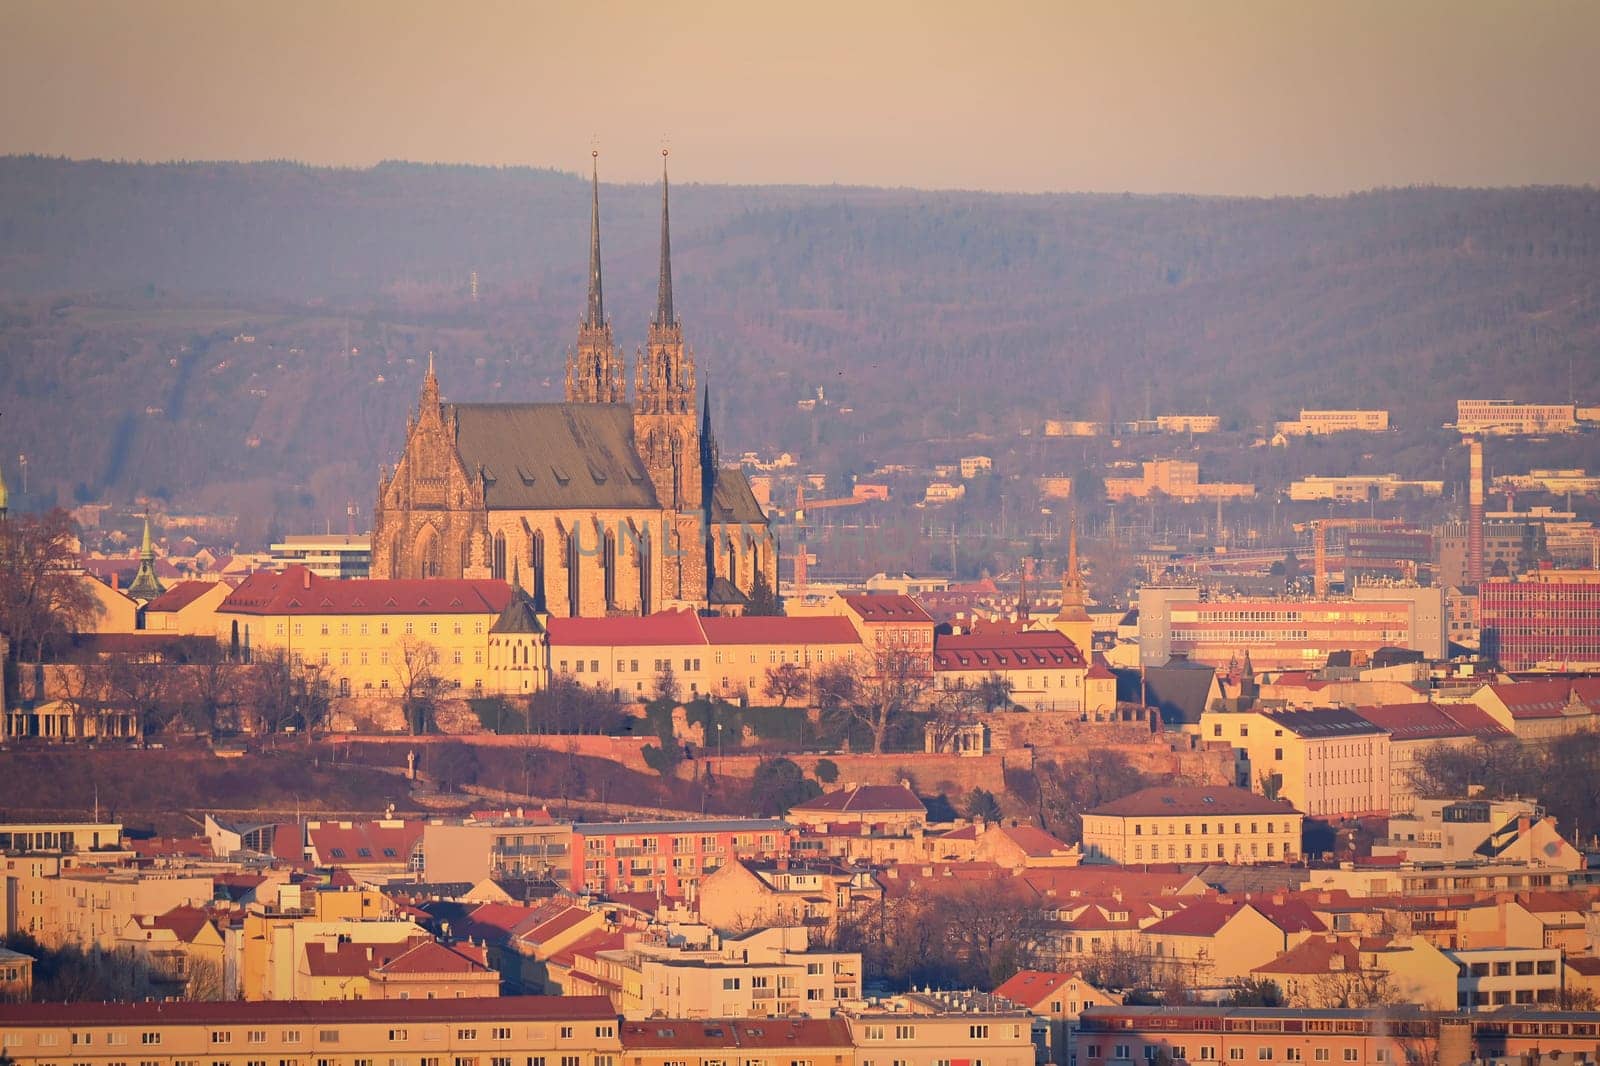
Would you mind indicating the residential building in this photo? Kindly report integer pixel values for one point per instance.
(973, 465)
(1504, 976)
(183, 948)
(934, 1028)
(753, 895)
(187, 609)
(1056, 1000)
(509, 845)
(893, 808)
(1213, 941)
(749, 1042)
(1542, 710)
(1334, 971)
(16, 976)
(1546, 619)
(1328, 761)
(1045, 670)
(58, 904)
(1187, 824)
(1417, 728)
(376, 846)
(1192, 1034)
(570, 1030)
(668, 858)
(763, 972)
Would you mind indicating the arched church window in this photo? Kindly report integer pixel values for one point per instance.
(498, 566)
(609, 560)
(536, 564)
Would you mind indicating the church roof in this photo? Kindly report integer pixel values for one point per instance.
(520, 615)
(546, 456)
(725, 592)
(734, 501)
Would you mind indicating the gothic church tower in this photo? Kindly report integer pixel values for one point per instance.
(664, 425)
(595, 371)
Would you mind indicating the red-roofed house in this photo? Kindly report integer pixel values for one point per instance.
(188, 608)
(431, 970)
(891, 807)
(1328, 971)
(1415, 728)
(887, 620)
(1186, 823)
(384, 843)
(1542, 710)
(182, 946)
(1057, 999)
(1046, 671)
(364, 631)
(1216, 940)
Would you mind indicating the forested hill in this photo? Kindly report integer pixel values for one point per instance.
(930, 314)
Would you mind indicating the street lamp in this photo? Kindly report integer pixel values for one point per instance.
(719, 740)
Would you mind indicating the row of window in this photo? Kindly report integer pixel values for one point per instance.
(1208, 1053)
(1205, 851)
(1188, 828)
(365, 628)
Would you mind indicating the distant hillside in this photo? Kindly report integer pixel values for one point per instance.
(929, 314)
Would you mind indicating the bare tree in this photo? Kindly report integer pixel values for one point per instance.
(786, 682)
(143, 685)
(43, 598)
(878, 687)
(284, 693)
(416, 665)
(954, 709)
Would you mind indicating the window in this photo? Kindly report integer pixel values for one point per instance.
(502, 1032)
(977, 1032)
(466, 1034)
(396, 1035)
(1320, 1054)
(221, 1037)
(730, 983)
(566, 1033)
(1120, 1052)
(256, 1036)
(1350, 1054)
(383, 629)
(1207, 1053)
(1235, 1054)
(149, 1038)
(905, 1032)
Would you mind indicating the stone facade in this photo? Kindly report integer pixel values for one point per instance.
(601, 507)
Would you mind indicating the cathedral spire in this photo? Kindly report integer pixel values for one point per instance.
(664, 316)
(430, 389)
(597, 305)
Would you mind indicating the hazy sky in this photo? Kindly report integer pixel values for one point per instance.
(1276, 96)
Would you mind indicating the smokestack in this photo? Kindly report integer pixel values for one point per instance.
(1475, 514)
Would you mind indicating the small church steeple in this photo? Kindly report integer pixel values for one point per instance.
(1072, 620)
(664, 375)
(146, 585)
(595, 372)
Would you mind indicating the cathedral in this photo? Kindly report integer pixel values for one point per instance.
(596, 506)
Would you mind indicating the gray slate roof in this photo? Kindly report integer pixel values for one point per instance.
(733, 501)
(551, 456)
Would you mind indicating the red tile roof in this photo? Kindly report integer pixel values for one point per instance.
(1182, 800)
(1432, 721)
(183, 922)
(369, 843)
(886, 607)
(432, 957)
(664, 627)
(1027, 988)
(180, 596)
(865, 799)
(1105, 882)
(756, 629)
(1033, 841)
(1316, 955)
(347, 959)
(1548, 699)
(297, 591)
(1032, 650)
